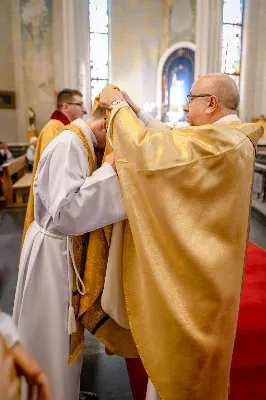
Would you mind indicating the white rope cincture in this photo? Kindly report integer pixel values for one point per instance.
(71, 325)
(81, 291)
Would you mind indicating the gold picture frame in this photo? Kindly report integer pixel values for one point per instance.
(7, 99)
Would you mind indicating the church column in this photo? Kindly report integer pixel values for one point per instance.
(33, 60)
(208, 37)
(21, 112)
(64, 32)
(253, 63)
(71, 45)
(82, 30)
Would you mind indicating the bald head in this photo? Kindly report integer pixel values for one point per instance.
(212, 97)
(222, 86)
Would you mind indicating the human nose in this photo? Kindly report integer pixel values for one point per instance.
(185, 108)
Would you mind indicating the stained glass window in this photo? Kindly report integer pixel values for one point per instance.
(232, 38)
(99, 47)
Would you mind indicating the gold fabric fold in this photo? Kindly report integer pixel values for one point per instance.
(80, 253)
(187, 194)
(88, 311)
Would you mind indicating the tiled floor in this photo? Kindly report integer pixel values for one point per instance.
(105, 375)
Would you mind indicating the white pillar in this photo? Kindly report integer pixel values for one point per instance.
(83, 50)
(58, 49)
(253, 63)
(64, 44)
(208, 37)
(21, 110)
(71, 46)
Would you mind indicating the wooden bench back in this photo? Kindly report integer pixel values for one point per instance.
(15, 165)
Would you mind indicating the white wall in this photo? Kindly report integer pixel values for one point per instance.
(8, 124)
(135, 44)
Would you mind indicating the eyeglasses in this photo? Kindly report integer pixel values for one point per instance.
(191, 96)
(77, 104)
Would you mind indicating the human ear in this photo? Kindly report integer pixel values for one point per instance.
(212, 105)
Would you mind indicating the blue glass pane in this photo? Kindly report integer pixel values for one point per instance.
(231, 49)
(97, 87)
(99, 55)
(98, 16)
(99, 71)
(233, 11)
(98, 45)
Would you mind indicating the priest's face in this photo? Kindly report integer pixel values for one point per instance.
(76, 108)
(199, 105)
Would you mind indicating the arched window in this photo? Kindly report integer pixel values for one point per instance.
(232, 38)
(99, 47)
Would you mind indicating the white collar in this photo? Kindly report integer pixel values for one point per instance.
(92, 141)
(87, 131)
(227, 118)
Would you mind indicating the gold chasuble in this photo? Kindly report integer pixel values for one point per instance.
(48, 133)
(187, 194)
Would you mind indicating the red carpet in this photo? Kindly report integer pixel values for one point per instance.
(248, 373)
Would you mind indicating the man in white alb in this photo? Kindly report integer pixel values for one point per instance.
(69, 200)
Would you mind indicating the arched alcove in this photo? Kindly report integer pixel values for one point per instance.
(175, 77)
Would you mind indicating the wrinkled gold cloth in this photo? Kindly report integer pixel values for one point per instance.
(261, 121)
(48, 133)
(88, 310)
(187, 194)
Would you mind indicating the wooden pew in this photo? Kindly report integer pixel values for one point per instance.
(16, 194)
(259, 185)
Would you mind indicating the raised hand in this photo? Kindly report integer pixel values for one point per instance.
(134, 107)
(110, 159)
(108, 95)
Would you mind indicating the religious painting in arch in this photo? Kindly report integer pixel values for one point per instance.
(177, 79)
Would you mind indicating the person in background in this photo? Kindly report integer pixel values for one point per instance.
(31, 151)
(5, 154)
(69, 106)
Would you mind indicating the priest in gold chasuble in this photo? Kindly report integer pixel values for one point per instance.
(187, 194)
